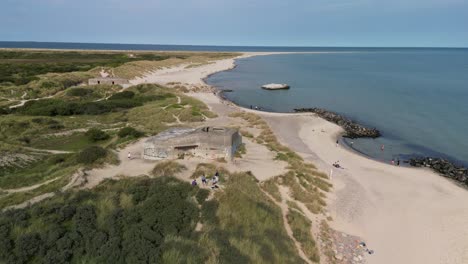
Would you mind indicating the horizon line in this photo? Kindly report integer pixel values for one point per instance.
(215, 45)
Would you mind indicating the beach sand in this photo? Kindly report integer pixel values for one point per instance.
(406, 215)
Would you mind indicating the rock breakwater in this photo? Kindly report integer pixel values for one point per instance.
(443, 167)
(352, 129)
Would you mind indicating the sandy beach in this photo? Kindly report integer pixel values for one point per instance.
(406, 215)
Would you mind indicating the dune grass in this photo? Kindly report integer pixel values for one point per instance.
(167, 168)
(246, 226)
(44, 168)
(301, 227)
(302, 178)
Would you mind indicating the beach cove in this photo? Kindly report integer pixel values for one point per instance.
(407, 215)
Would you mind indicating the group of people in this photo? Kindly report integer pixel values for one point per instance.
(205, 181)
(397, 162)
(336, 164)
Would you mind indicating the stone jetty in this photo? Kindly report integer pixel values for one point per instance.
(443, 167)
(352, 129)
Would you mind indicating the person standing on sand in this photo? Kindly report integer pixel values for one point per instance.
(337, 142)
(129, 156)
(398, 162)
(393, 162)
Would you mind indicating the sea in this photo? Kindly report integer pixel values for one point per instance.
(416, 97)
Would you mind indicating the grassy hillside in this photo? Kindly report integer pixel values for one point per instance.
(149, 221)
(63, 124)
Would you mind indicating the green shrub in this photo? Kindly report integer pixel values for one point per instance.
(129, 132)
(91, 154)
(56, 159)
(122, 95)
(78, 91)
(95, 134)
(54, 107)
(202, 195)
(167, 168)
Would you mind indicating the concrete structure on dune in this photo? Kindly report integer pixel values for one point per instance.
(205, 142)
(107, 80)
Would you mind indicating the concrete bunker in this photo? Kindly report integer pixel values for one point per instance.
(204, 142)
(107, 80)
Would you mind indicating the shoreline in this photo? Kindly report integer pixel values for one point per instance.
(406, 214)
(405, 158)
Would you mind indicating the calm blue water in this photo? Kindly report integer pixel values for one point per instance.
(417, 98)
(116, 46)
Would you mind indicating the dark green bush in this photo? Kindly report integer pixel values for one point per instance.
(78, 91)
(56, 159)
(95, 134)
(201, 195)
(74, 229)
(91, 154)
(4, 111)
(122, 95)
(54, 107)
(129, 132)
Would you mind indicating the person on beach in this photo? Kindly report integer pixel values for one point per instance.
(337, 142)
(129, 156)
(398, 162)
(393, 162)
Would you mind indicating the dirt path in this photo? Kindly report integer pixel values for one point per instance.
(23, 101)
(284, 212)
(28, 188)
(51, 151)
(31, 201)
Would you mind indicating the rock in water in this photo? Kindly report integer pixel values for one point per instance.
(275, 86)
(352, 129)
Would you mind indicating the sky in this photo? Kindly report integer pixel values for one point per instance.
(365, 23)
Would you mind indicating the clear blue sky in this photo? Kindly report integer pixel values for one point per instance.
(437, 23)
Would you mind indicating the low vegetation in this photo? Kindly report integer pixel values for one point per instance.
(241, 150)
(167, 168)
(95, 135)
(129, 132)
(91, 154)
(44, 72)
(301, 227)
(88, 139)
(142, 220)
